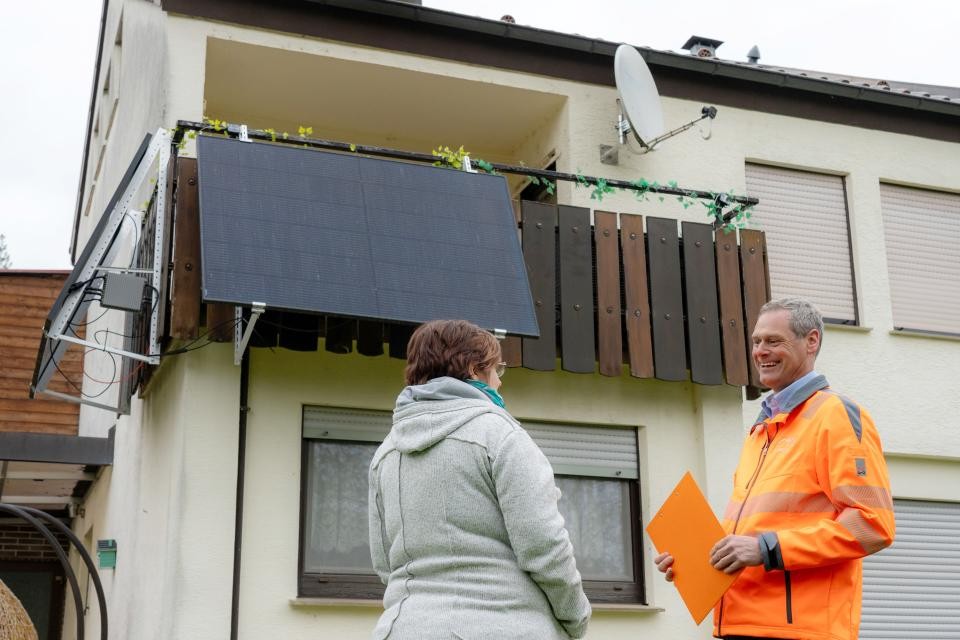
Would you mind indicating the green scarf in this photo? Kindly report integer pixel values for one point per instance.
(488, 390)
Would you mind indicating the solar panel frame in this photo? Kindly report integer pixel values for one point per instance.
(306, 230)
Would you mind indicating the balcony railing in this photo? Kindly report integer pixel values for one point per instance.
(649, 297)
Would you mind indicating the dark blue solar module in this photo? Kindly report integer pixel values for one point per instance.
(305, 230)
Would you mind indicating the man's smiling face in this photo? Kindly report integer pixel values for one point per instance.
(779, 354)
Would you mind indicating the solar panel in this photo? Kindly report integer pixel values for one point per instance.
(305, 230)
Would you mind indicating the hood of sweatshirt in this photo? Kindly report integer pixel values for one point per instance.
(427, 413)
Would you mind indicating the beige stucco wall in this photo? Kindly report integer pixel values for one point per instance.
(680, 427)
(168, 500)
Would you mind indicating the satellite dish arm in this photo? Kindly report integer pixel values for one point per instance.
(705, 112)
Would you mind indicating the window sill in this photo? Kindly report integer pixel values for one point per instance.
(855, 328)
(952, 337)
(337, 602)
(606, 607)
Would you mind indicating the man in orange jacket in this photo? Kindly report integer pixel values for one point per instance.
(810, 498)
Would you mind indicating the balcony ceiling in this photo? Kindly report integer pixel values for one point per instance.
(369, 103)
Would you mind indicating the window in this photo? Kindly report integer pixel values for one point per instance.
(597, 471)
(922, 233)
(804, 216)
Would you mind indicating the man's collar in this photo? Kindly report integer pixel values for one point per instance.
(791, 396)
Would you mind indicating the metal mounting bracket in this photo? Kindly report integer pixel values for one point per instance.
(240, 342)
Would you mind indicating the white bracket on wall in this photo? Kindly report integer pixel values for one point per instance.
(240, 342)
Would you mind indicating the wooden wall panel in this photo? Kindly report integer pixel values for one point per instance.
(703, 314)
(666, 300)
(609, 311)
(733, 332)
(539, 256)
(25, 300)
(636, 296)
(576, 290)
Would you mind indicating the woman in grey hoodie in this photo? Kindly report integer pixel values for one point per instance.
(464, 526)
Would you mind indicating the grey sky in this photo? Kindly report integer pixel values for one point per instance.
(47, 52)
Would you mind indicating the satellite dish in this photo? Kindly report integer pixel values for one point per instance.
(638, 96)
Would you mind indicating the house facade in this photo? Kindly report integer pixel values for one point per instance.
(237, 492)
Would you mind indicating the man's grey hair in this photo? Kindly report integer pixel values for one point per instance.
(804, 317)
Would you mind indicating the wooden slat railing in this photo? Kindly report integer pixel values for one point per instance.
(667, 305)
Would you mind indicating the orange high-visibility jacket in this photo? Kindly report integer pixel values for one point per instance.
(812, 486)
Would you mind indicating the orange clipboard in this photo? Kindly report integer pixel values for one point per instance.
(686, 528)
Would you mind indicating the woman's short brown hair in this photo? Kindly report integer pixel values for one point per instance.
(453, 348)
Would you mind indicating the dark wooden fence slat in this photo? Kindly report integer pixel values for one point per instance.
(637, 316)
(298, 331)
(732, 330)
(669, 348)
(539, 255)
(339, 334)
(577, 350)
(266, 331)
(398, 339)
(609, 331)
(510, 347)
(703, 331)
(511, 351)
(370, 338)
(755, 288)
(221, 320)
(185, 292)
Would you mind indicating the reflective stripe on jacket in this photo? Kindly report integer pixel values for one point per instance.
(812, 485)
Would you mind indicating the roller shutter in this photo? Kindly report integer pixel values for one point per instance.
(911, 590)
(804, 216)
(581, 450)
(922, 233)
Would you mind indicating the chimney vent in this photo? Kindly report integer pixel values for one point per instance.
(702, 47)
(753, 56)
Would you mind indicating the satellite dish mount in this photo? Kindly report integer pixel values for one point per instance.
(640, 112)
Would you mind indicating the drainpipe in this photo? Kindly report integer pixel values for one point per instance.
(238, 524)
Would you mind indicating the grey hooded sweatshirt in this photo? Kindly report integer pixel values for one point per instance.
(464, 526)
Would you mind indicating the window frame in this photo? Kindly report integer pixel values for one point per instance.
(369, 586)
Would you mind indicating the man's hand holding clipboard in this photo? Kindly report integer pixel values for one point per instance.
(686, 531)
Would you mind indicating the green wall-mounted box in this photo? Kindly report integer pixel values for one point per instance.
(107, 553)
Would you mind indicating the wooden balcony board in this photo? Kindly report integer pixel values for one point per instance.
(703, 315)
(735, 363)
(609, 311)
(576, 290)
(539, 255)
(666, 300)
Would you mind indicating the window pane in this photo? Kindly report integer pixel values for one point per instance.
(335, 523)
(597, 515)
